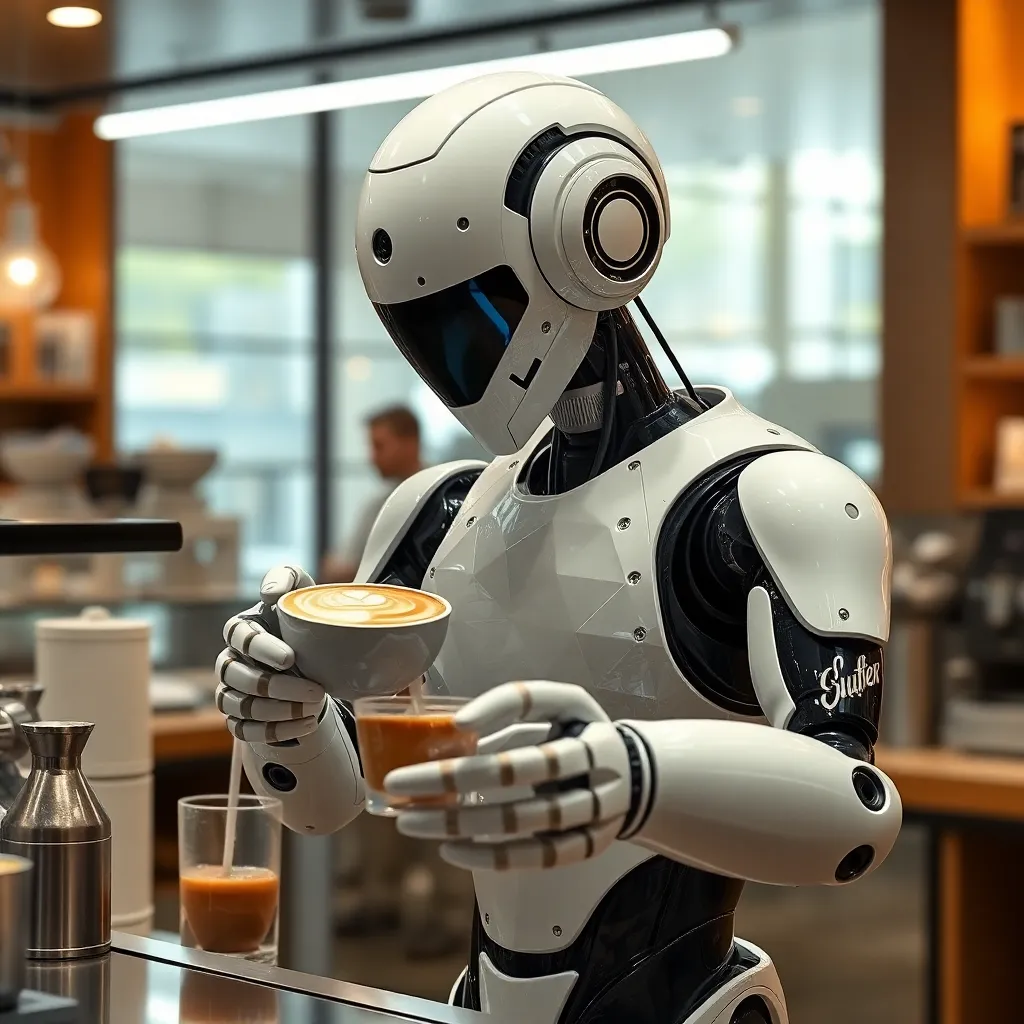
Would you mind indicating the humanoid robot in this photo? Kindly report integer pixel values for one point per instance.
(690, 602)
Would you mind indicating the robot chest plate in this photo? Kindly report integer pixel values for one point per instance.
(559, 588)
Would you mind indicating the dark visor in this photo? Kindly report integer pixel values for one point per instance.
(456, 338)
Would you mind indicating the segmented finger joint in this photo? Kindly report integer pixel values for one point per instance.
(447, 770)
(525, 696)
(554, 815)
(550, 853)
(551, 756)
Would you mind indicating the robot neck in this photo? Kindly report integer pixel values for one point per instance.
(584, 442)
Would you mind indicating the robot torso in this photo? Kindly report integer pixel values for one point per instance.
(568, 586)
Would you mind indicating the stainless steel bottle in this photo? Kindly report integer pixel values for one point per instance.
(57, 822)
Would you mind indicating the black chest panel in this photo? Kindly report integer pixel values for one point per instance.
(409, 562)
(657, 945)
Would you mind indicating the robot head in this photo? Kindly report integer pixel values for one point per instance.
(495, 222)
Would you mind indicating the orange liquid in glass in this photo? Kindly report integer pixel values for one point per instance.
(387, 742)
(229, 913)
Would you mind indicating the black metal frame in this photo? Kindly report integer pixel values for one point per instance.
(321, 215)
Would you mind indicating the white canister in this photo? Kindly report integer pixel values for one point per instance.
(129, 804)
(134, 925)
(95, 668)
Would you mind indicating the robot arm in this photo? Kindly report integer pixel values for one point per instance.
(800, 803)
(791, 805)
(301, 744)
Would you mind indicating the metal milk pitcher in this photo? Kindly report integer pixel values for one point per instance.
(19, 703)
(57, 822)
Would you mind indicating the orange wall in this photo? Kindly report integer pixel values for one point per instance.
(71, 181)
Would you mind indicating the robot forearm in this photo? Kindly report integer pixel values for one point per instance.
(317, 778)
(762, 804)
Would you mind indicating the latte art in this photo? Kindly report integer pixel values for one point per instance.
(350, 604)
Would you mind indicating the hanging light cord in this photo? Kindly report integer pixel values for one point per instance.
(668, 351)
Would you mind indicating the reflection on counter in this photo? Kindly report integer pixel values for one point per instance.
(207, 999)
(146, 982)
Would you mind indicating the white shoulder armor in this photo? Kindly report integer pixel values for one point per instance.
(399, 511)
(824, 538)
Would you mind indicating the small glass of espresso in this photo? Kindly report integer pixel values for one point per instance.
(236, 911)
(395, 732)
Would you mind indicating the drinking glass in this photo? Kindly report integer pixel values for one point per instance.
(398, 731)
(235, 913)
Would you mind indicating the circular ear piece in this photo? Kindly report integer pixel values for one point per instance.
(597, 223)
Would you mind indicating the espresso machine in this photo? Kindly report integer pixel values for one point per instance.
(46, 470)
(31, 827)
(984, 707)
(207, 564)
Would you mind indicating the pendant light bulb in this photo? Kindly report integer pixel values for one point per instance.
(29, 275)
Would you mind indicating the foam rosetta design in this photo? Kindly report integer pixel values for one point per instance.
(347, 605)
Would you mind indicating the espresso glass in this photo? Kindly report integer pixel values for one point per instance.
(235, 913)
(398, 731)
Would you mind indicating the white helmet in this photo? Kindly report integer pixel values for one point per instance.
(495, 222)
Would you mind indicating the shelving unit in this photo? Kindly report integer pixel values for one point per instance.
(989, 244)
(70, 178)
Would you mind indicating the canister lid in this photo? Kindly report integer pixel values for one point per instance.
(94, 623)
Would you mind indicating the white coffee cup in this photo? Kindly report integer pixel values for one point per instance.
(363, 639)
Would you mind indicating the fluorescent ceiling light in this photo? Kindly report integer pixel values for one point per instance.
(413, 85)
(74, 17)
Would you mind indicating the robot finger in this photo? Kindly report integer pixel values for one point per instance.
(261, 709)
(270, 732)
(526, 766)
(537, 701)
(250, 679)
(250, 639)
(526, 854)
(558, 813)
(281, 579)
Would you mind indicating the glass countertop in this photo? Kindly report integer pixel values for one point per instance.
(146, 982)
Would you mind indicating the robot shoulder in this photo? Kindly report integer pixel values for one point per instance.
(413, 521)
(824, 538)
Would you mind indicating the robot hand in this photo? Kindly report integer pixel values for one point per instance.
(263, 701)
(578, 784)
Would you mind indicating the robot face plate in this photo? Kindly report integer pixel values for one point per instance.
(493, 299)
(456, 338)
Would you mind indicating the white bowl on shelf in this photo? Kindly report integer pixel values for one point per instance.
(45, 459)
(175, 467)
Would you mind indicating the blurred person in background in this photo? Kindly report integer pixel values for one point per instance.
(394, 440)
(388, 881)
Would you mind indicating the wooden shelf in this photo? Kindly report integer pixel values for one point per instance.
(985, 497)
(995, 368)
(1010, 232)
(42, 393)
